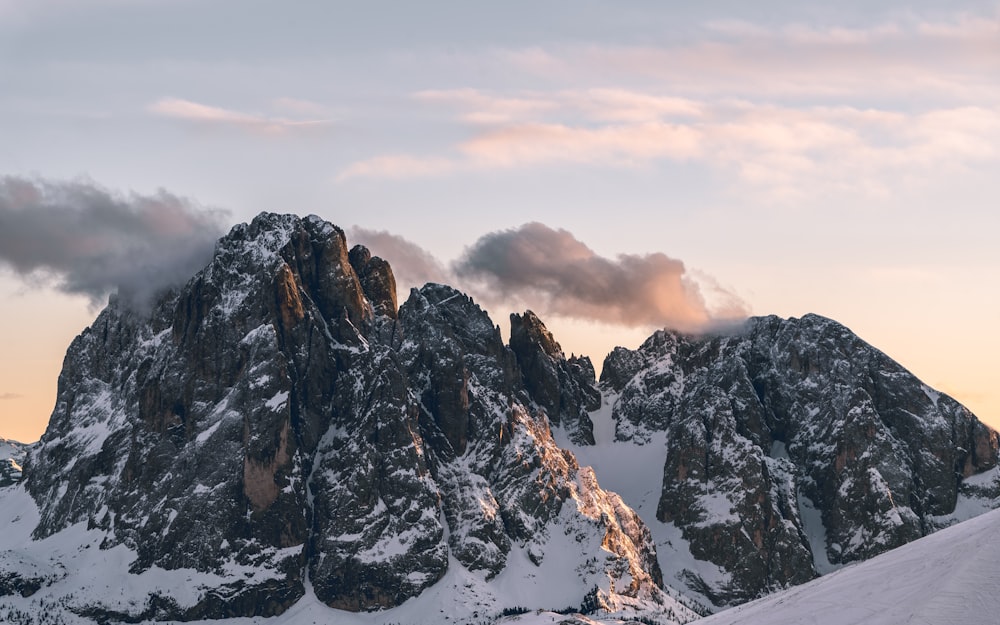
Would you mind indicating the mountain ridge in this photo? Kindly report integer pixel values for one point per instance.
(369, 456)
(332, 445)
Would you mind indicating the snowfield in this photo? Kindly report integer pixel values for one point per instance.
(951, 577)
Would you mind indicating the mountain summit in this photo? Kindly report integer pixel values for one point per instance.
(276, 427)
(791, 448)
(279, 431)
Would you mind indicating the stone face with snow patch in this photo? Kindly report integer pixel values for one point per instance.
(274, 429)
(276, 438)
(786, 412)
(565, 388)
(12, 455)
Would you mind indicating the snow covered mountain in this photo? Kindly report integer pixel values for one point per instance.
(280, 438)
(789, 448)
(12, 454)
(277, 429)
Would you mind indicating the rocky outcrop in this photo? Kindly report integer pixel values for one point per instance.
(376, 279)
(505, 483)
(12, 454)
(786, 416)
(565, 389)
(277, 427)
(276, 420)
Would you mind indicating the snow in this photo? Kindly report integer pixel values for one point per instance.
(815, 530)
(208, 432)
(971, 502)
(933, 395)
(11, 449)
(947, 578)
(76, 572)
(277, 402)
(635, 472)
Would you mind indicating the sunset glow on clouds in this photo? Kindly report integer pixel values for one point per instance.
(201, 113)
(774, 157)
(780, 151)
(552, 272)
(723, 108)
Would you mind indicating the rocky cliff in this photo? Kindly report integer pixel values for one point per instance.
(276, 428)
(793, 447)
(12, 454)
(281, 431)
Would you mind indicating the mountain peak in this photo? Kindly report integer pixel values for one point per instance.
(275, 421)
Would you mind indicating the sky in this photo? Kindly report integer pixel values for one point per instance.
(615, 167)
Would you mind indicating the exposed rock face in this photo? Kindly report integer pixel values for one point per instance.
(376, 279)
(277, 426)
(272, 422)
(565, 389)
(504, 480)
(12, 454)
(787, 416)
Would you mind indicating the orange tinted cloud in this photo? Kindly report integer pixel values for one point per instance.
(528, 144)
(202, 113)
(560, 275)
(779, 151)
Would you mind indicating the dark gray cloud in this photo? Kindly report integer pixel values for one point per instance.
(412, 265)
(550, 270)
(91, 241)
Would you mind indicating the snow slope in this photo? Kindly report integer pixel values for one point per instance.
(948, 578)
(635, 472)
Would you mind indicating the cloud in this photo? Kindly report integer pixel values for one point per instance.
(91, 241)
(204, 114)
(608, 105)
(6, 396)
(529, 144)
(412, 265)
(551, 271)
(785, 153)
(907, 59)
(483, 108)
(786, 111)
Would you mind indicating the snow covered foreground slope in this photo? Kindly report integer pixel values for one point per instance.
(949, 578)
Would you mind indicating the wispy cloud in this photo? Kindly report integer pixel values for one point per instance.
(412, 265)
(92, 241)
(604, 104)
(195, 112)
(782, 151)
(554, 273)
(946, 61)
(482, 108)
(300, 107)
(530, 144)
(782, 110)
(553, 270)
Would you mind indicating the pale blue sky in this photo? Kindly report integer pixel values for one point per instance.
(837, 158)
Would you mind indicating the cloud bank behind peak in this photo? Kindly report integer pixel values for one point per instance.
(88, 240)
(552, 272)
